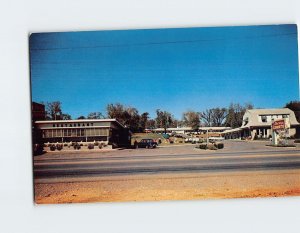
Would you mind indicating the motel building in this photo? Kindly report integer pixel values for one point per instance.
(257, 124)
(189, 130)
(84, 130)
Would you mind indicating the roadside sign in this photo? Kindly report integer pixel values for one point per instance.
(278, 125)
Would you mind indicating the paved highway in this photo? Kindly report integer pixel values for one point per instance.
(159, 161)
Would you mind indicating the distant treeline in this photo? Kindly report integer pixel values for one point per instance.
(232, 116)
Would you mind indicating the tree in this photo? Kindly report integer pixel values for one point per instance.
(66, 117)
(127, 116)
(218, 116)
(295, 107)
(81, 117)
(144, 121)
(235, 114)
(132, 118)
(163, 119)
(207, 117)
(191, 119)
(151, 124)
(176, 123)
(95, 115)
(115, 111)
(53, 110)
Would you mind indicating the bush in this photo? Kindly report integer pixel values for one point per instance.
(76, 146)
(219, 145)
(203, 146)
(52, 147)
(96, 144)
(59, 146)
(91, 146)
(100, 146)
(297, 141)
(211, 147)
(65, 144)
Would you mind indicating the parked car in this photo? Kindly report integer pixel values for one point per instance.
(146, 143)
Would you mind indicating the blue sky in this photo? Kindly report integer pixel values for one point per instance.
(169, 69)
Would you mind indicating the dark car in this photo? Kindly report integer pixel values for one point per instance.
(146, 143)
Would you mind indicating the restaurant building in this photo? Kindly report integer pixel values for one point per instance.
(84, 130)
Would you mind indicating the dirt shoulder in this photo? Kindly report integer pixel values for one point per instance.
(190, 186)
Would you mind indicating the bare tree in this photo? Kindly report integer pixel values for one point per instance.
(207, 117)
(95, 115)
(53, 110)
(218, 116)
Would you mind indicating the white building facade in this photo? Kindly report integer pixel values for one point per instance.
(257, 123)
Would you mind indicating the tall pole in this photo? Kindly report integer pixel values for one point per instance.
(207, 137)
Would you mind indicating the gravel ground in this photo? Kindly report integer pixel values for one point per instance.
(171, 187)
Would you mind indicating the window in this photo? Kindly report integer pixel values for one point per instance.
(53, 125)
(285, 116)
(263, 118)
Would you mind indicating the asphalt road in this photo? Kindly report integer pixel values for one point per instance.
(236, 157)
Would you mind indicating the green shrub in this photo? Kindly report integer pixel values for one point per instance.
(100, 146)
(65, 144)
(96, 144)
(52, 147)
(59, 146)
(91, 146)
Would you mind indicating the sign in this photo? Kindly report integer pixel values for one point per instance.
(278, 125)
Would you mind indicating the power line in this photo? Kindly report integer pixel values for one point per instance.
(164, 42)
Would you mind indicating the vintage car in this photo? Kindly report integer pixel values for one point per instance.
(146, 143)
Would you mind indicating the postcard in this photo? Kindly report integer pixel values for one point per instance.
(165, 114)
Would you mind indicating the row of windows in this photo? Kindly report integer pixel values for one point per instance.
(51, 133)
(265, 119)
(73, 125)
